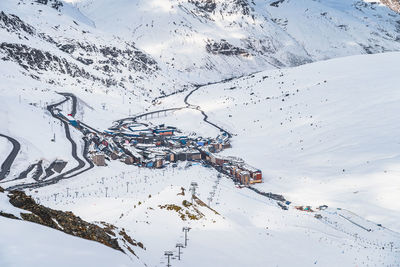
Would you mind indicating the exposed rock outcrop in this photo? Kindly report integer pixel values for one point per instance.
(205, 5)
(69, 223)
(107, 61)
(56, 4)
(224, 48)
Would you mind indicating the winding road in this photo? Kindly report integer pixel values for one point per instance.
(277, 197)
(6, 166)
(74, 153)
(205, 116)
(81, 164)
(188, 106)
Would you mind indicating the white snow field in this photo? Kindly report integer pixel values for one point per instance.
(29, 244)
(347, 123)
(249, 229)
(322, 133)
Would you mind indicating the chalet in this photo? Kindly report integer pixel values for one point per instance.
(237, 172)
(145, 146)
(99, 160)
(100, 147)
(114, 156)
(200, 143)
(220, 161)
(212, 158)
(187, 154)
(173, 144)
(226, 145)
(183, 140)
(159, 162)
(129, 160)
(134, 153)
(182, 156)
(255, 174)
(193, 155)
(244, 177)
(205, 155)
(170, 156)
(215, 147)
(133, 141)
(149, 164)
(138, 158)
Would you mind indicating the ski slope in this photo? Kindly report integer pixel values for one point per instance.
(322, 133)
(244, 221)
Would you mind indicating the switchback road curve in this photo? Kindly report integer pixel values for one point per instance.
(6, 166)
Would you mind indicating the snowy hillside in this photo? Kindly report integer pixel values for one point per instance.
(25, 243)
(326, 132)
(199, 38)
(47, 247)
(152, 205)
(59, 46)
(326, 151)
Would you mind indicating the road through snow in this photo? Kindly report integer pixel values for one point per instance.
(6, 166)
(81, 164)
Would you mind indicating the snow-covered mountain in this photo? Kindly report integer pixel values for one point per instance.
(286, 87)
(59, 46)
(166, 44)
(238, 36)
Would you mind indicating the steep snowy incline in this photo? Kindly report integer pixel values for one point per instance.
(29, 244)
(60, 47)
(201, 40)
(326, 132)
(329, 29)
(218, 38)
(152, 48)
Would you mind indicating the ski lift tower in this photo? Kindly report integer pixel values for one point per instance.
(168, 254)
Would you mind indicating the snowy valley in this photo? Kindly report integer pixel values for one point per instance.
(192, 133)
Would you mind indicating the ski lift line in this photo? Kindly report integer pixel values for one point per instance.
(356, 224)
(358, 216)
(336, 228)
(232, 188)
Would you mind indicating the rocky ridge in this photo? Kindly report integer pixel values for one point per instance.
(107, 63)
(67, 222)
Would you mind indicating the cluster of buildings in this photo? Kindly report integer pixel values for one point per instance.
(157, 146)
